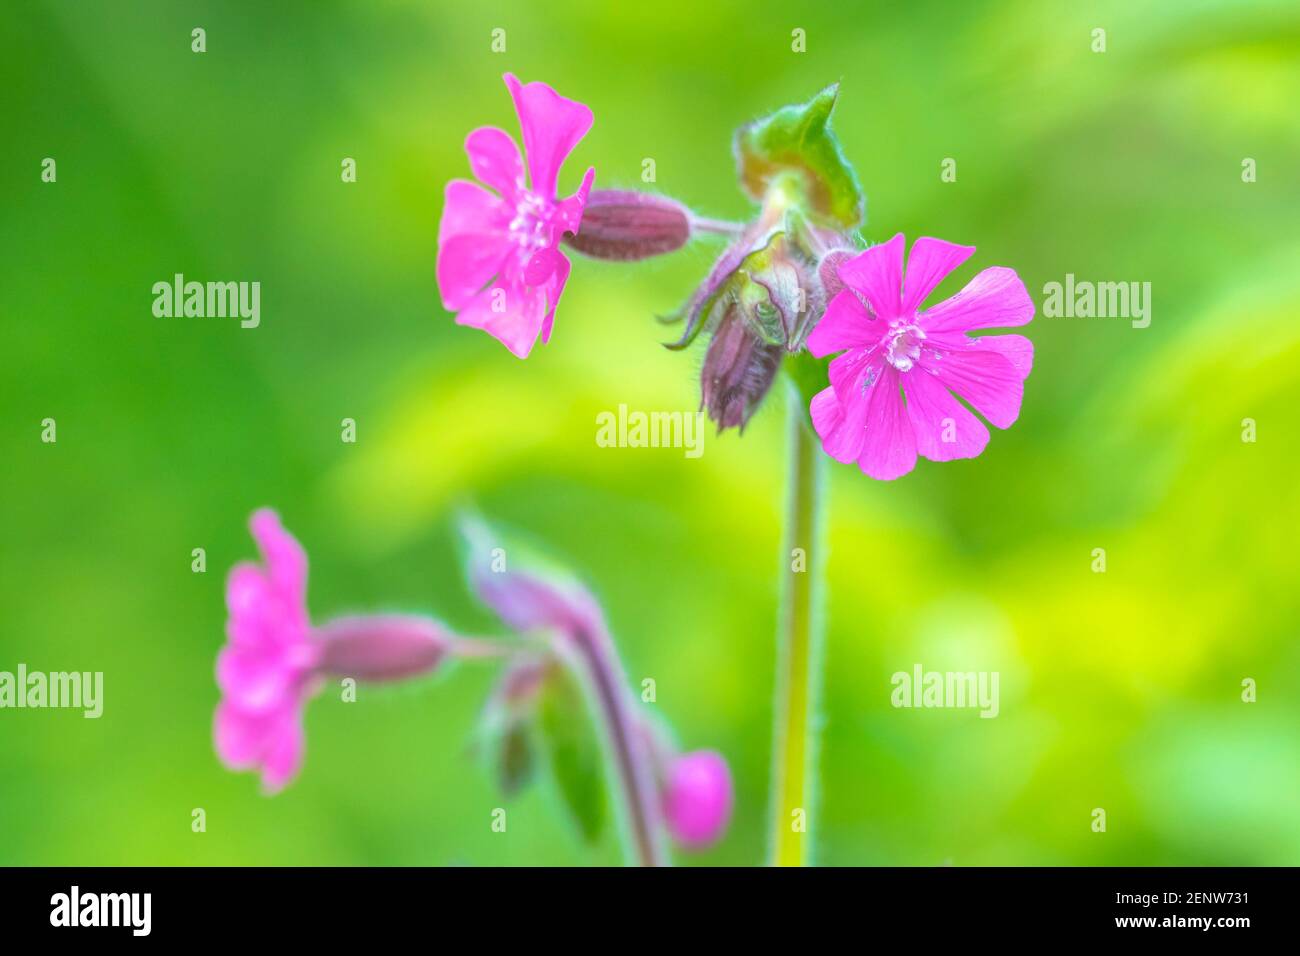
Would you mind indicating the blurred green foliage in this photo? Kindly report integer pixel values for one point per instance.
(1119, 690)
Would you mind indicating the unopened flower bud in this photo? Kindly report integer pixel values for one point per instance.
(525, 600)
(383, 647)
(625, 225)
(697, 798)
(828, 271)
(739, 368)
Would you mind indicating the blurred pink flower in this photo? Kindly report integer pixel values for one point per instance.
(697, 798)
(891, 350)
(499, 265)
(265, 670)
(273, 660)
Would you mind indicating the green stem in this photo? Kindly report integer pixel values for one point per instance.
(799, 647)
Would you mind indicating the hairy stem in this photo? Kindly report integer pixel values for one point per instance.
(632, 758)
(719, 226)
(799, 648)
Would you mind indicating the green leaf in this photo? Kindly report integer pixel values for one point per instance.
(514, 758)
(574, 752)
(795, 149)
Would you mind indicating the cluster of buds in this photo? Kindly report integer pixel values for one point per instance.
(562, 692)
(772, 281)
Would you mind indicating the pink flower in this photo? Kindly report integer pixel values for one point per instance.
(499, 265)
(697, 798)
(895, 389)
(265, 670)
(273, 660)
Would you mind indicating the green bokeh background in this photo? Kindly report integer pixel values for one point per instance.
(1119, 690)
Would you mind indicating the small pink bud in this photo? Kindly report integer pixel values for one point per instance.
(383, 647)
(697, 798)
(624, 225)
(828, 271)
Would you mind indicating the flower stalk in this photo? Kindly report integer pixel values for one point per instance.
(799, 648)
(632, 758)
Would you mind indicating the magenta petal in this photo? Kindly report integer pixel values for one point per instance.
(846, 324)
(286, 561)
(826, 412)
(248, 597)
(254, 680)
(854, 372)
(877, 274)
(469, 208)
(467, 263)
(928, 263)
(554, 291)
(495, 160)
(284, 753)
(944, 428)
(568, 214)
(987, 380)
(240, 738)
(996, 298)
(843, 441)
(511, 314)
(889, 446)
(541, 265)
(1019, 351)
(552, 126)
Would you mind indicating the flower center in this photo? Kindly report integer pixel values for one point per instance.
(903, 345)
(531, 225)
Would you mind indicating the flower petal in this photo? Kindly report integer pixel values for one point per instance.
(247, 592)
(285, 559)
(495, 160)
(889, 446)
(553, 293)
(1018, 350)
(996, 298)
(928, 263)
(877, 274)
(845, 324)
(854, 372)
(512, 314)
(466, 263)
(552, 126)
(826, 411)
(256, 680)
(845, 432)
(240, 738)
(283, 758)
(469, 208)
(944, 428)
(541, 265)
(987, 380)
(568, 214)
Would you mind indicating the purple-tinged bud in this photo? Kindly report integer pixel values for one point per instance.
(383, 647)
(828, 271)
(697, 798)
(525, 600)
(624, 225)
(739, 368)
